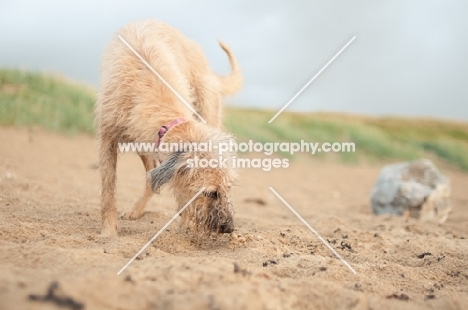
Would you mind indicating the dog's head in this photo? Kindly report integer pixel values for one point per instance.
(210, 211)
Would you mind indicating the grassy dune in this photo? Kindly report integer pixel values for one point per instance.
(29, 99)
(375, 138)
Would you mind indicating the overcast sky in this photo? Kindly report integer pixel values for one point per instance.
(409, 57)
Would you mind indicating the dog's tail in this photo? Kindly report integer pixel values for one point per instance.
(232, 82)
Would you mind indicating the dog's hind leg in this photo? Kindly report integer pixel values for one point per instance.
(108, 166)
(139, 207)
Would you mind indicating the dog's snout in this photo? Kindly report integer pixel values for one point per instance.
(222, 225)
(226, 229)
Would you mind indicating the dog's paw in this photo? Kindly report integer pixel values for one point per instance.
(109, 231)
(130, 215)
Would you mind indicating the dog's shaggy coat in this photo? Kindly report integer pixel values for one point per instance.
(133, 104)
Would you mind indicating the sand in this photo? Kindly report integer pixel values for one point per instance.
(50, 223)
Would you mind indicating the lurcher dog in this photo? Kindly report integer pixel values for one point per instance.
(135, 106)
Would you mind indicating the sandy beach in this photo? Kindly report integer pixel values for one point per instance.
(50, 225)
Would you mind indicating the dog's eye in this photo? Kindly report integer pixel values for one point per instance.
(214, 194)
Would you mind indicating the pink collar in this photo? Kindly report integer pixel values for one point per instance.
(164, 129)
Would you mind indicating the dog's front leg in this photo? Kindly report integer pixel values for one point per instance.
(108, 165)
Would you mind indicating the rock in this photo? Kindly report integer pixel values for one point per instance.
(416, 188)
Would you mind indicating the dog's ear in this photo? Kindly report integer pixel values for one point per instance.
(162, 174)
